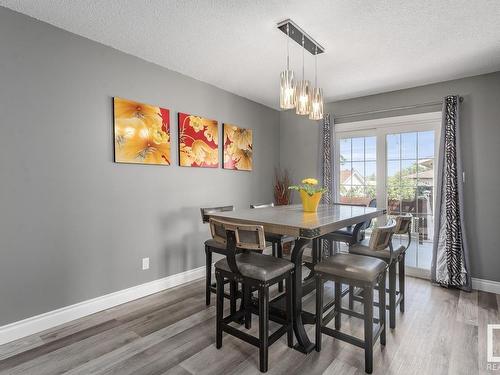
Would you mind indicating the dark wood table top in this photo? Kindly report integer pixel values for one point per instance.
(293, 221)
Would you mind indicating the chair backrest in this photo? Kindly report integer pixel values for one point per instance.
(262, 205)
(403, 224)
(246, 236)
(380, 238)
(205, 212)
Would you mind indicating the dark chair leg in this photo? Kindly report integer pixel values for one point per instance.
(233, 286)
(401, 269)
(219, 310)
(338, 304)
(319, 311)
(381, 308)
(289, 312)
(247, 296)
(392, 295)
(351, 297)
(331, 246)
(273, 247)
(263, 327)
(208, 286)
(279, 254)
(368, 318)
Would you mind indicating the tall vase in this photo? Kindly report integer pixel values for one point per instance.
(310, 202)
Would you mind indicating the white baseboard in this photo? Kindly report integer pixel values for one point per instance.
(486, 285)
(39, 323)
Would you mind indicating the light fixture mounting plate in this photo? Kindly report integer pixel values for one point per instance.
(296, 33)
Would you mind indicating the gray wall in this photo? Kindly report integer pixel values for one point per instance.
(481, 152)
(73, 224)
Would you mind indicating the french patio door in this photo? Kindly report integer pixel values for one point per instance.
(393, 163)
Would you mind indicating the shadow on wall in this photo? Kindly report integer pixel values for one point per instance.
(184, 235)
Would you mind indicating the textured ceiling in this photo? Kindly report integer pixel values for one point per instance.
(371, 46)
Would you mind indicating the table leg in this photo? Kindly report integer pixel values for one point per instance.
(304, 345)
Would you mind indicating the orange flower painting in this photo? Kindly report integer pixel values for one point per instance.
(142, 133)
(198, 142)
(238, 148)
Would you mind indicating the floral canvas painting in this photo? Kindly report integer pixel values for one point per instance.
(238, 148)
(142, 133)
(198, 142)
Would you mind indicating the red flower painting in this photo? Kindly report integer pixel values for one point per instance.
(198, 142)
(238, 148)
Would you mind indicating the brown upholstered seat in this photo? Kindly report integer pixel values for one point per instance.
(257, 266)
(352, 266)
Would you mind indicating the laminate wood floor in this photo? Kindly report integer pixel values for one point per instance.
(442, 332)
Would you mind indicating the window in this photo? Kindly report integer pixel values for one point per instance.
(358, 170)
(410, 189)
(392, 160)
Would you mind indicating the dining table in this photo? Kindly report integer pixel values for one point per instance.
(307, 228)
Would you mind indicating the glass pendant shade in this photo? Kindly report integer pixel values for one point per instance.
(302, 97)
(316, 112)
(287, 89)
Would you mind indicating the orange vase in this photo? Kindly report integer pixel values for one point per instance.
(310, 202)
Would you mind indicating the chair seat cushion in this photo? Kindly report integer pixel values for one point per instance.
(257, 266)
(351, 266)
(362, 249)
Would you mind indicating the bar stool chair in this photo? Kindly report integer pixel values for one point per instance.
(212, 246)
(277, 240)
(362, 272)
(403, 226)
(394, 258)
(255, 272)
(350, 236)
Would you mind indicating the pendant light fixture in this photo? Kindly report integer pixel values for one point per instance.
(287, 79)
(316, 112)
(302, 94)
(305, 99)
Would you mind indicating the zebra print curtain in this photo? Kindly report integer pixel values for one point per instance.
(327, 166)
(450, 262)
(326, 160)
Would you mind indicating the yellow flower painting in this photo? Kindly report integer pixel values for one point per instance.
(238, 148)
(142, 133)
(198, 141)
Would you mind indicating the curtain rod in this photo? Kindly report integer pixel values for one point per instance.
(429, 104)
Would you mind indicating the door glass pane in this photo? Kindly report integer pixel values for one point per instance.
(371, 148)
(358, 149)
(410, 190)
(358, 178)
(345, 150)
(426, 144)
(408, 145)
(393, 146)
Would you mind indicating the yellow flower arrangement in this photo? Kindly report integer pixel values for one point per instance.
(310, 193)
(310, 181)
(309, 186)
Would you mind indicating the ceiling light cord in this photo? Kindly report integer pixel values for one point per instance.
(288, 47)
(316, 66)
(303, 49)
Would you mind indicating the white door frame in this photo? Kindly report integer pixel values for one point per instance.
(380, 128)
